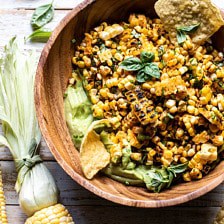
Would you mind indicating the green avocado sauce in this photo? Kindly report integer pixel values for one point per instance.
(78, 112)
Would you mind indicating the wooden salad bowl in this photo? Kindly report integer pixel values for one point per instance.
(53, 71)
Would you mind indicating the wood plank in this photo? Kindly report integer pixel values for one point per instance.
(120, 215)
(23, 28)
(26, 4)
(74, 194)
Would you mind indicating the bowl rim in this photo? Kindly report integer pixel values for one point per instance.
(75, 176)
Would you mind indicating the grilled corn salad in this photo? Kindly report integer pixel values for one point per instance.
(165, 101)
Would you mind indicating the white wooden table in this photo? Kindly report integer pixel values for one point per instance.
(85, 207)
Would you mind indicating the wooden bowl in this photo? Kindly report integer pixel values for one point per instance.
(53, 72)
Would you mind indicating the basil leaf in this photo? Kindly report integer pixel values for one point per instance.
(142, 76)
(147, 56)
(40, 35)
(42, 15)
(180, 168)
(152, 69)
(183, 30)
(181, 37)
(131, 64)
(189, 29)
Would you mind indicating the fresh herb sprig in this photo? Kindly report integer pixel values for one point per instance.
(182, 32)
(157, 179)
(144, 66)
(40, 35)
(41, 16)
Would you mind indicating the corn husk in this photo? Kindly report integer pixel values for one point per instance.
(35, 184)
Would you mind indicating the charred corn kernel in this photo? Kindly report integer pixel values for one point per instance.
(187, 177)
(191, 152)
(115, 153)
(172, 62)
(111, 32)
(179, 133)
(198, 56)
(183, 160)
(133, 139)
(104, 92)
(168, 154)
(173, 110)
(97, 111)
(80, 64)
(111, 82)
(118, 56)
(220, 73)
(207, 93)
(218, 140)
(167, 157)
(190, 109)
(136, 156)
(104, 70)
(53, 214)
(170, 103)
(87, 61)
(183, 70)
(195, 173)
(208, 152)
(191, 102)
(199, 166)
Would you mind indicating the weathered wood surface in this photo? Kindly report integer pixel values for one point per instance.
(26, 4)
(85, 207)
(117, 215)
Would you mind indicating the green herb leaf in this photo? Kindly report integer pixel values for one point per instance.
(42, 15)
(189, 29)
(183, 30)
(147, 56)
(40, 35)
(74, 41)
(142, 76)
(170, 116)
(181, 37)
(180, 168)
(152, 69)
(131, 64)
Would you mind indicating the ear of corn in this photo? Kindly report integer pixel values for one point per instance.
(56, 214)
(3, 216)
(219, 217)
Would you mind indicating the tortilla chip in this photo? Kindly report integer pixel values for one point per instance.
(178, 13)
(93, 154)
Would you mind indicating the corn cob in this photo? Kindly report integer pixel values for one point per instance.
(219, 217)
(3, 216)
(56, 214)
(141, 107)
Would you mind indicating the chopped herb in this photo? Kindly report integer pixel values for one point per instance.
(170, 116)
(221, 84)
(73, 41)
(213, 116)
